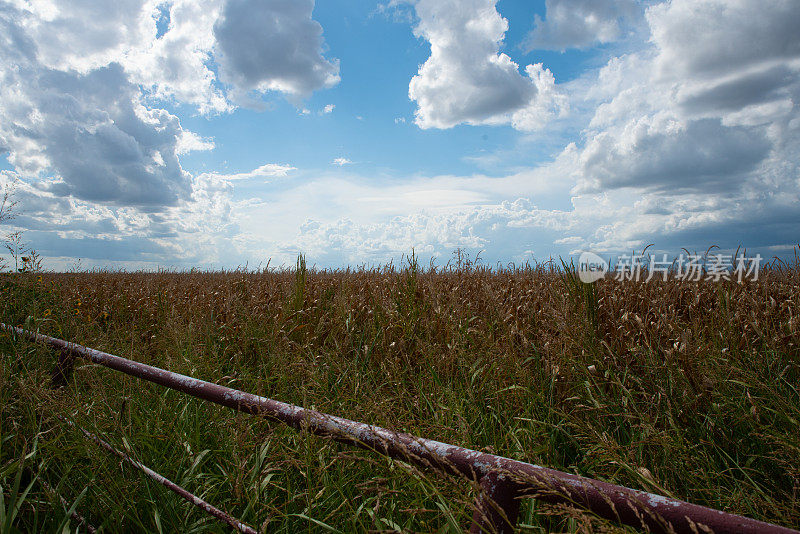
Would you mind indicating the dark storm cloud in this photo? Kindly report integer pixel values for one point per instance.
(710, 37)
(92, 248)
(703, 156)
(767, 229)
(94, 139)
(748, 89)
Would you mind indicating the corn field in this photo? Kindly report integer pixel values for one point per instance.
(686, 389)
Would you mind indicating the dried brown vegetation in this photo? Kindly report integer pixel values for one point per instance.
(688, 389)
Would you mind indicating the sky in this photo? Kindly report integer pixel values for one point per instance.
(223, 133)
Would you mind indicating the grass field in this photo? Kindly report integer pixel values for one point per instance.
(687, 389)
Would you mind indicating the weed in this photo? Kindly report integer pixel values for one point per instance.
(685, 389)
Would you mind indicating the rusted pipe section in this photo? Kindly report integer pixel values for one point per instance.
(62, 371)
(616, 503)
(497, 505)
(192, 498)
(74, 514)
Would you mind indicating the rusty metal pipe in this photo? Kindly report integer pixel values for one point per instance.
(497, 506)
(617, 503)
(161, 479)
(74, 514)
(62, 371)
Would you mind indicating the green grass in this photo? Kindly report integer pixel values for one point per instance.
(688, 390)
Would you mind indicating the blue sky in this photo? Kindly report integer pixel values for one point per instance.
(217, 133)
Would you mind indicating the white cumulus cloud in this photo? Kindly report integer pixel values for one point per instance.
(86, 135)
(467, 79)
(695, 137)
(97, 159)
(273, 46)
(582, 23)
